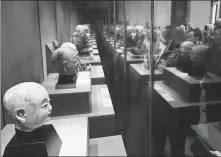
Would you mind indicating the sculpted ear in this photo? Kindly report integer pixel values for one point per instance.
(20, 115)
(65, 65)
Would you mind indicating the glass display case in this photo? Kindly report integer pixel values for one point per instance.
(149, 71)
(164, 75)
(185, 100)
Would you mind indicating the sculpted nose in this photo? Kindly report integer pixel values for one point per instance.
(49, 108)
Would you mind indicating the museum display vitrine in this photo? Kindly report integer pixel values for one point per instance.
(146, 70)
(185, 100)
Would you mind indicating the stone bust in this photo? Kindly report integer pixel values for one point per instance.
(130, 41)
(183, 62)
(70, 46)
(64, 61)
(141, 37)
(81, 39)
(119, 33)
(186, 48)
(28, 104)
(81, 66)
(199, 59)
(129, 30)
(138, 32)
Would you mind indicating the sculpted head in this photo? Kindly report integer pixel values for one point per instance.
(195, 36)
(182, 28)
(209, 28)
(87, 25)
(156, 35)
(28, 104)
(190, 36)
(189, 27)
(198, 56)
(129, 30)
(163, 32)
(65, 61)
(186, 48)
(198, 35)
(119, 32)
(82, 30)
(70, 46)
(180, 34)
(138, 32)
(147, 25)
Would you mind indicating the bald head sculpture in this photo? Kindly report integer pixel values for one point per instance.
(70, 46)
(186, 47)
(65, 61)
(28, 104)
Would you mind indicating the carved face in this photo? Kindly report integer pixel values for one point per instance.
(137, 33)
(119, 32)
(65, 61)
(147, 25)
(83, 31)
(87, 32)
(156, 35)
(186, 48)
(129, 30)
(28, 104)
(189, 27)
(190, 37)
(182, 28)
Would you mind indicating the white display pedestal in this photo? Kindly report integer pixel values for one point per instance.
(97, 75)
(72, 131)
(102, 116)
(107, 146)
(188, 87)
(95, 60)
(94, 46)
(72, 100)
(95, 52)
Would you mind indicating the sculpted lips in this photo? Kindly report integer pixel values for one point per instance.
(49, 115)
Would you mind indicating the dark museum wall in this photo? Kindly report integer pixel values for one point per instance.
(60, 21)
(74, 18)
(67, 18)
(21, 45)
(47, 26)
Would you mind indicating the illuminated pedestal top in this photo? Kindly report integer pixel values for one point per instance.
(72, 131)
